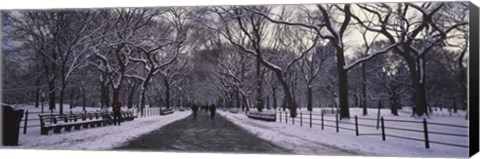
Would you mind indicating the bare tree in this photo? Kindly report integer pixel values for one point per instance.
(310, 66)
(253, 28)
(64, 39)
(412, 36)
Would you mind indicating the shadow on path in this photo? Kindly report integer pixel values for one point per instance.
(202, 134)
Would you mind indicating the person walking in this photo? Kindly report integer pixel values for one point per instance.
(194, 111)
(206, 108)
(117, 108)
(212, 110)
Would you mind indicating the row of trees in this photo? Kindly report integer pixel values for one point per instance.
(119, 50)
(287, 56)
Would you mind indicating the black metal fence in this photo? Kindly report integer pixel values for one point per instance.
(315, 119)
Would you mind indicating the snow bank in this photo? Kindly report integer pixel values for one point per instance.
(306, 140)
(99, 138)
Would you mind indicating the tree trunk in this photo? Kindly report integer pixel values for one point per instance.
(72, 100)
(62, 98)
(103, 91)
(291, 105)
(178, 100)
(420, 99)
(37, 95)
(294, 86)
(225, 101)
(454, 100)
(274, 96)
(309, 98)
(355, 100)
(259, 97)
(51, 94)
(268, 103)
(142, 100)
(116, 94)
(167, 93)
(131, 95)
(237, 97)
(364, 91)
(342, 84)
(231, 101)
(84, 99)
(245, 104)
(394, 104)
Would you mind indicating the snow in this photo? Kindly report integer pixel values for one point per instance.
(306, 140)
(366, 58)
(99, 138)
(293, 137)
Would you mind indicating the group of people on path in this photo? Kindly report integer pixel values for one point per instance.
(207, 108)
(117, 108)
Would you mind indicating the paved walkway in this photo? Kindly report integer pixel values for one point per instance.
(202, 134)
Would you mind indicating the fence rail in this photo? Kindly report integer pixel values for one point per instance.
(325, 120)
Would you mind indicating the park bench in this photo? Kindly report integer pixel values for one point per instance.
(128, 115)
(262, 116)
(233, 111)
(57, 122)
(166, 111)
(181, 109)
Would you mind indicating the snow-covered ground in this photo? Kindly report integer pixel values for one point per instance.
(299, 139)
(306, 140)
(99, 138)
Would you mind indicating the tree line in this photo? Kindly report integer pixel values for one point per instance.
(262, 57)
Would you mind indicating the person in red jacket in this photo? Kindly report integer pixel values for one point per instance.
(117, 108)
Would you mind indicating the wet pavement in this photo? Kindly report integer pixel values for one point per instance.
(202, 134)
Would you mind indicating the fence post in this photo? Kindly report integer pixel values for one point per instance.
(293, 121)
(336, 122)
(322, 120)
(310, 119)
(383, 128)
(378, 120)
(301, 120)
(356, 125)
(280, 114)
(427, 143)
(286, 117)
(25, 123)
